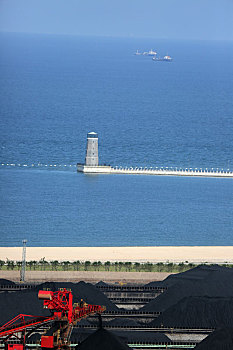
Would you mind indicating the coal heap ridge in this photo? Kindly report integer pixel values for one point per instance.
(199, 272)
(4, 282)
(101, 284)
(202, 272)
(82, 290)
(221, 339)
(102, 340)
(27, 302)
(202, 281)
(79, 335)
(197, 312)
(134, 336)
(122, 322)
(20, 302)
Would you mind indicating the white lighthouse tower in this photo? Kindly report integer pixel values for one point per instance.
(92, 158)
(91, 165)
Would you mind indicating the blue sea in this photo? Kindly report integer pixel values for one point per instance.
(55, 89)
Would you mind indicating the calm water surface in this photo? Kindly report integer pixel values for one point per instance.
(56, 88)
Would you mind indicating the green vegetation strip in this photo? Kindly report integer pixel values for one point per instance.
(118, 266)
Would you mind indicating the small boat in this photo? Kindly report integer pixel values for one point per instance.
(150, 53)
(165, 58)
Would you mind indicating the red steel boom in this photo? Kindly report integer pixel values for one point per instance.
(64, 315)
(22, 322)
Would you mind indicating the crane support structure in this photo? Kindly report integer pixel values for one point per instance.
(22, 322)
(23, 267)
(64, 315)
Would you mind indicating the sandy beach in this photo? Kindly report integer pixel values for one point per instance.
(210, 254)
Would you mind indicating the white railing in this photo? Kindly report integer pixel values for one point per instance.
(172, 171)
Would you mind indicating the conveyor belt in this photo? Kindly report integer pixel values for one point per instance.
(145, 328)
(137, 289)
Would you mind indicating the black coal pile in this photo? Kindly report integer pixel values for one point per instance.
(21, 302)
(4, 282)
(27, 302)
(218, 283)
(198, 312)
(102, 340)
(83, 322)
(101, 284)
(122, 322)
(135, 336)
(79, 335)
(201, 272)
(86, 291)
(221, 339)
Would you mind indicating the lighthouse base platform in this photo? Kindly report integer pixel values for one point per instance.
(100, 169)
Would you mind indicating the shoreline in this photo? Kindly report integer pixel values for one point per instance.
(174, 254)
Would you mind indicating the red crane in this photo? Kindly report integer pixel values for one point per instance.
(64, 315)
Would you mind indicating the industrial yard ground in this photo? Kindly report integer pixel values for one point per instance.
(189, 310)
(87, 276)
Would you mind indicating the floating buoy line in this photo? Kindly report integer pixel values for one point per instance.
(37, 165)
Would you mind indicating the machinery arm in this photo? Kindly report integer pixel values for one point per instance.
(64, 315)
(22, 322)
(61, 304)
(81, 312)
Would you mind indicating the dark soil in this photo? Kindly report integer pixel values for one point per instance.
(102, 340)
(198, 312)
(221, 339)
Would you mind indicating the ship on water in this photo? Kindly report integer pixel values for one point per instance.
(153, 53)
(146, 53)
(165, 58)
(150, 53)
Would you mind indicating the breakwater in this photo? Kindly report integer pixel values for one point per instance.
(92, 166)
(163, 171)
(103, 169)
